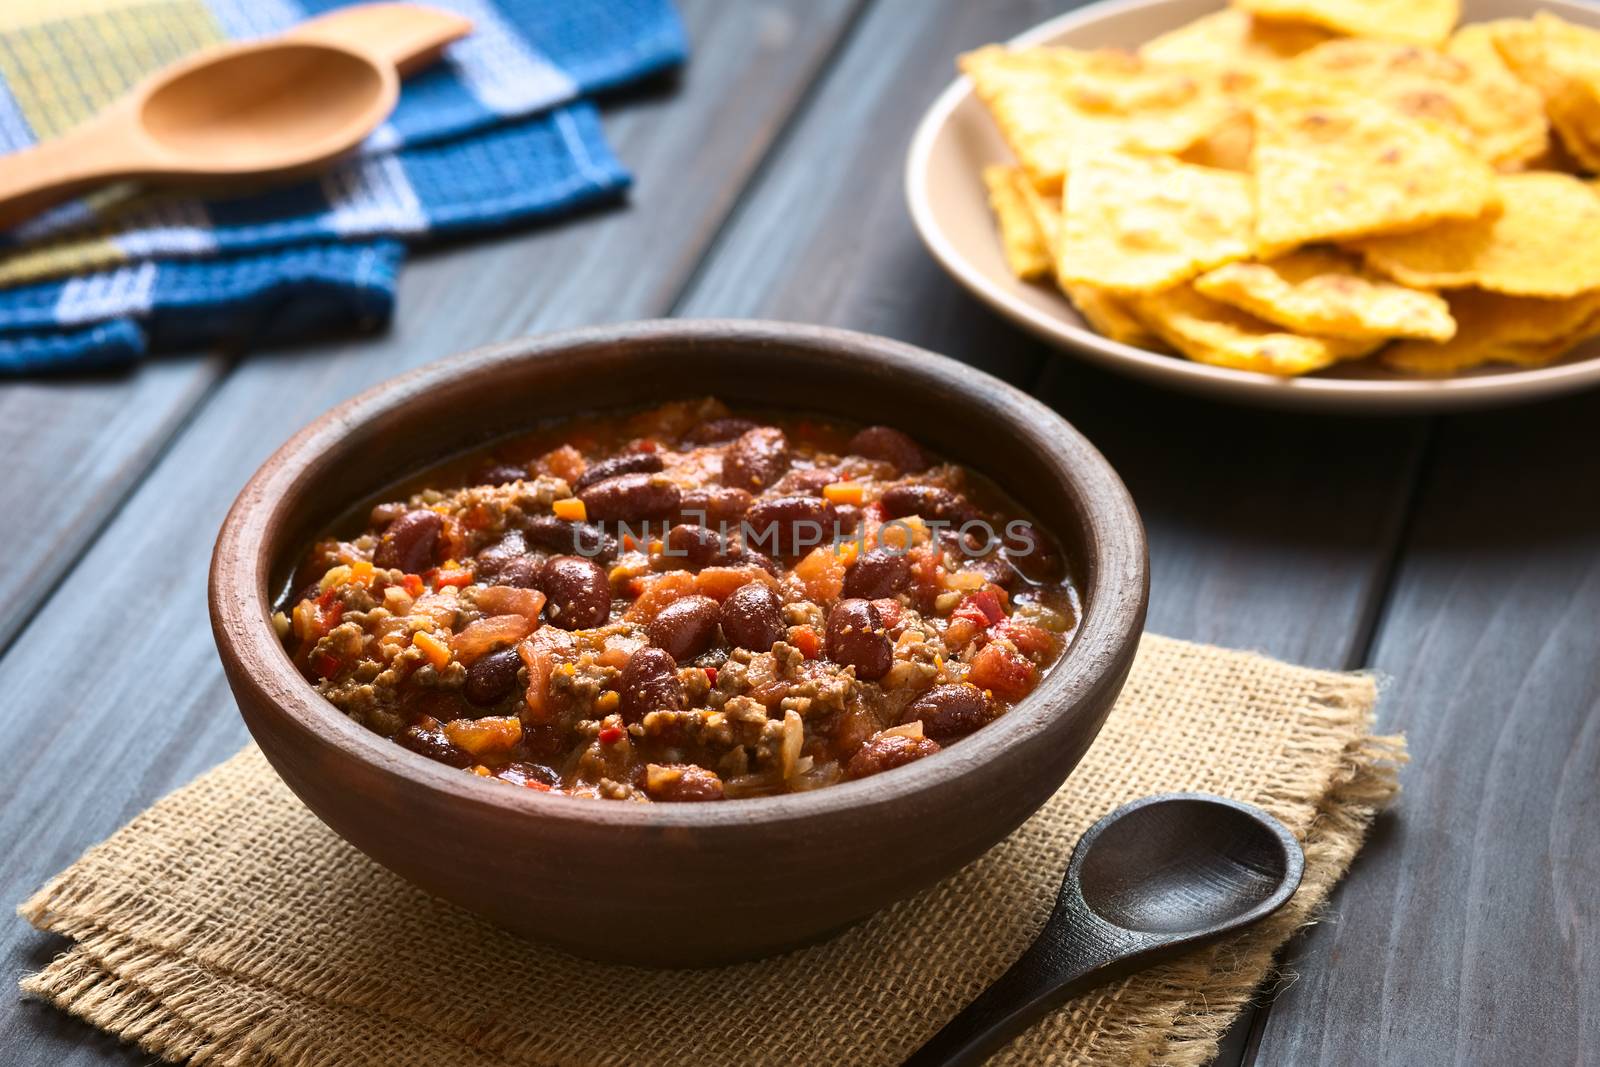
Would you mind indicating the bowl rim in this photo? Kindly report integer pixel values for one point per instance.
(1504, 386)
(1115, 588)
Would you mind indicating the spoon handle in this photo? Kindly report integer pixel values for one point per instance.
(408, 35)
(55, 170)
(1047, 975)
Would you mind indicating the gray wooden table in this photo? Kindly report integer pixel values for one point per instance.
(1459, 556)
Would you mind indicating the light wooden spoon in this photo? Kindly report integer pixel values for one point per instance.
(272, 108)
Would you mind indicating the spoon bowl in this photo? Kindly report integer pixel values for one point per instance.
(1182, 863)
(273, 107)
(1153, 879)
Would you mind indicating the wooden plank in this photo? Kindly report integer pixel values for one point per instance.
(75, 447)
(1469, 929)
(691, 145)
(114, 692)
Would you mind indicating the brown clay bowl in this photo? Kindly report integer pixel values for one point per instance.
(689, 884)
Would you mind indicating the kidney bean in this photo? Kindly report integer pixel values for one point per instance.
(752, 617)
(890, 446)
(572, 538)
(756, 459)
(495, 557)
(848, 517)
(629, 498)
(996, 570)
(627, 463)
(649, 683)
(929, 501)
(409, 542)
(790, 525)
(521, 773)
(856, 638)
(491, 677)
(884, 752)
(686, 627)
(877, 574)
(524, 572)
(501, 474)
(714, 431)
(713, 506)
(807, 482)
(692, 547)
(579, 594)
(949, 711)
(433, 744)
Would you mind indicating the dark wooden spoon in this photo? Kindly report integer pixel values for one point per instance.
(1150, 881)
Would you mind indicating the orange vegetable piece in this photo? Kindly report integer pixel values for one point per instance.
(718, 583)
(570, 509)
(807, 640)
(657, 592)
(485, 737)
(843, 493)
(437, 651)
(822, 573)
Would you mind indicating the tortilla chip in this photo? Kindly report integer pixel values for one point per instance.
(1562, 62)
(1233, 38)
(1209, 332)
(1026, 247)
(1109, 315)
(1051, 102)
(1408, 21)
(1330, 168)
(1524, 330)
(1136, 224)
(1326, 293)
(1227, 147)
(1470, 91)
(1544, 241)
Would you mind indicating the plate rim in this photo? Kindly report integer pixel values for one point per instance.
(1393, 396)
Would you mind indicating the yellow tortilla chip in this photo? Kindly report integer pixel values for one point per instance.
(1544, 241)
(1109, 315)
(1502, 329)
(1136, 224)
(1409, 21)
(1052, 102)
(1209, 332)
(1326, 293)
(1026, 247)
(1233, 38)
(1331, 168)
(1227, 147)
(1470, 91)
(1562, 62)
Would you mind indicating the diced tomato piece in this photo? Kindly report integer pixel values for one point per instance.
(330, 617)
(1003, 672)
(711, 676)
(610, 735)
(982, 607)
(326, 665)
(413, 584)
(807, 641)
(1032, 641)
(455, 576)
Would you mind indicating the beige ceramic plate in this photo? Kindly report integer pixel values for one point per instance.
(950, 208)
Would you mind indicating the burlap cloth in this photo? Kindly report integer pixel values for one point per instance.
(227, 925)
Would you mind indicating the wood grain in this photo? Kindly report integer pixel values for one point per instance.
(1469, 929)
(90, 746)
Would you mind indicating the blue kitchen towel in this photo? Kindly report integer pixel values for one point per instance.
(496, 134)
